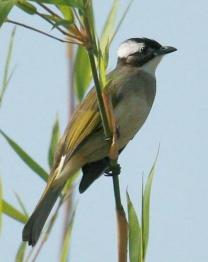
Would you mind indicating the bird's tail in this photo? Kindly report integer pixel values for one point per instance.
(34, 225)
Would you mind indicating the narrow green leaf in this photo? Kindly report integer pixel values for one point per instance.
(135, 234)
(82, 72)
(21, 204)
(102, 71)
(5, 8)
(109, 26)
(106, 54)
(53, 18)
(21, 252)
(6, 76)
(27, 7)
(26, 158)
(62, 22)
(146, 207)
(67, 239)
(67, 12)
(12, 212)
(71, 3)
(121, 20)
(55, 136)
(1, 203)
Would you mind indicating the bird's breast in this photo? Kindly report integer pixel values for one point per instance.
(133, 109)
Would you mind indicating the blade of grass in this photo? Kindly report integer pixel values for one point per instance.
(146, 207)
(27, 7)
(54, 141)
(12, 212)
(21, 252)
(121, 20)
(67, 240)
(1, 203)
(108, 30)
(26, 158)
(72, 3)
(67, 12)
(135, 234)
(82, 73)
(6, 76)
(21, 204)
(5, 7)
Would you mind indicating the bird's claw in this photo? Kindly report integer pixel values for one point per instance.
(113, 170)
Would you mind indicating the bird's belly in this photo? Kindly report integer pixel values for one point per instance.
(130, 115)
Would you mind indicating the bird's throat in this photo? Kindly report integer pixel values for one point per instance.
(150, 67)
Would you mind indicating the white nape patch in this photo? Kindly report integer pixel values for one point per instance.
(129, 47)
(151, 66)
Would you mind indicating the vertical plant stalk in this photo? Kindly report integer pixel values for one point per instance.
(122, 225)
(71, 102)
(121, 217)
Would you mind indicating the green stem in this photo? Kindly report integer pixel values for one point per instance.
(117, 195)
(101, 105)
(39, 31)
(104, 118)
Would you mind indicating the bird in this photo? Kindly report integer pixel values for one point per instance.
(132, 89)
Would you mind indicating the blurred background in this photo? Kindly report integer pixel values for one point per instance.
(38, 92)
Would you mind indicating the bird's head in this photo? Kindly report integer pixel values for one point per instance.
(142, 52)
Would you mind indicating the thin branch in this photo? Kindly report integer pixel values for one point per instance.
(106, 127)
(54, 25)
(121, 218)
(57, 27)
(48, 10)
(41, 32)
(49, 21)
(78, 18)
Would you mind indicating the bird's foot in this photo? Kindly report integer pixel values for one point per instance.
(114, 170)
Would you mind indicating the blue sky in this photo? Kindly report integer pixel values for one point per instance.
(178, 121)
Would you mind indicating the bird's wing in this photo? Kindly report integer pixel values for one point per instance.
(86, 119)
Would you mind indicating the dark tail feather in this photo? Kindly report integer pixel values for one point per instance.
(34, 225)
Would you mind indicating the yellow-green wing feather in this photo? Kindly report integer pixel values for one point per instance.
(85, 119)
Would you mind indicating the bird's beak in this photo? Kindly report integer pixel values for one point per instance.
(165, 50)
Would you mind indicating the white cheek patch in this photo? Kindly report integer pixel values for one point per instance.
(128, 48)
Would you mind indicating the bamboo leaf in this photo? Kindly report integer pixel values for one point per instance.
(62, 22)
(54, 141)
(6, 76)
(1, 203)
(67, 239)
(82, 72)
(121, 20)
(102, 71)
(5, 7)
(108, 29)
(21, 204)
(26, 158)
(72, 3)
(12, 212)
(135, 234)
(21, 252)
(146, 207)
(67, 12)
(27, 7)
